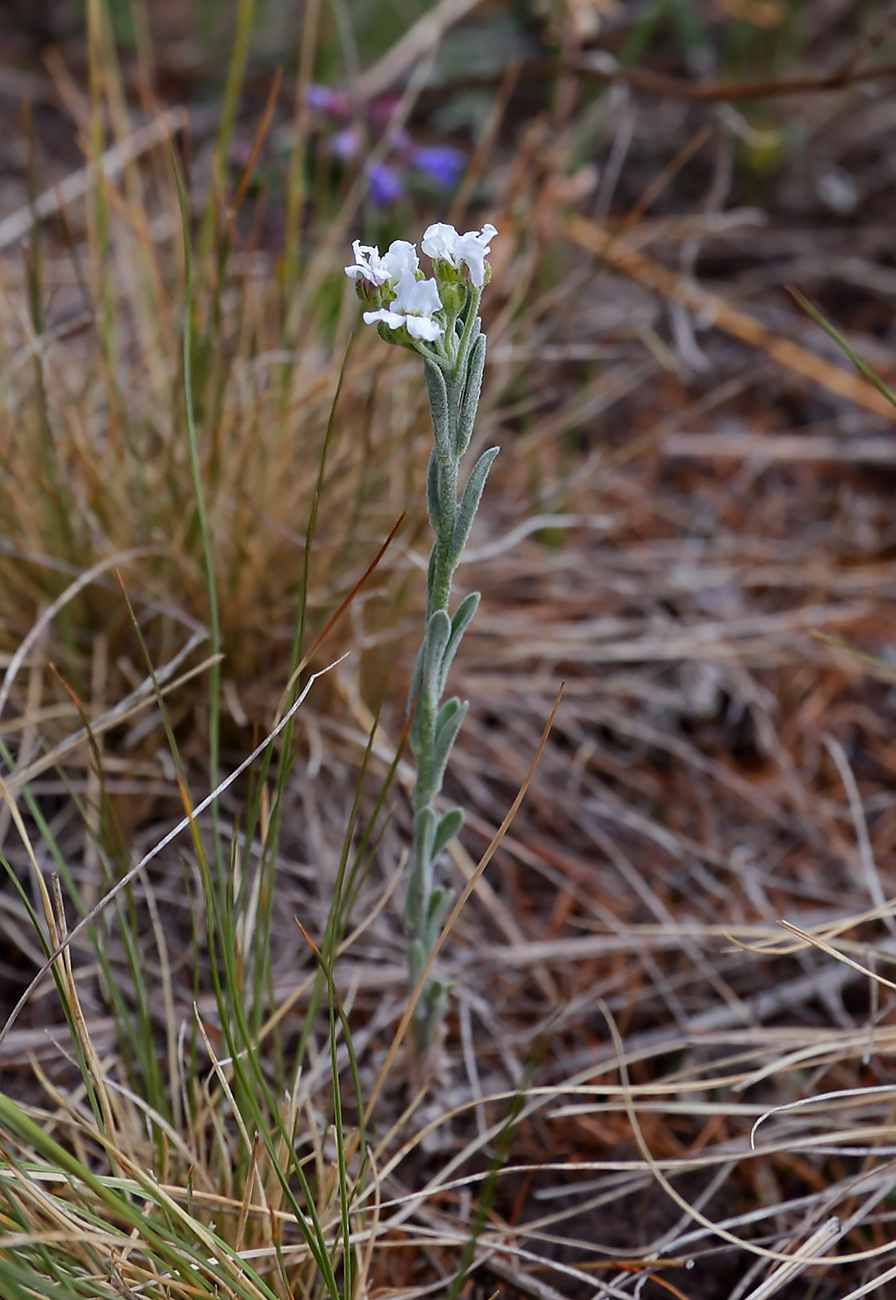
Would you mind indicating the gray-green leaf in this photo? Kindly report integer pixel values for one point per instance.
(449, 723)
(448, 827)
(438, 633)
(469, 504)
(439, 409)
(459, 624)
(420, 882)
(469, 405)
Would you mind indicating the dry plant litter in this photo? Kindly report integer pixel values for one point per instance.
(648, 1085)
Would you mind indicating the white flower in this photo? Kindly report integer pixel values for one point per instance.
(388, 269)
(413, 306)
(442, 243)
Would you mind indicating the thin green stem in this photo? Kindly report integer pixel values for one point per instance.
(469, 324)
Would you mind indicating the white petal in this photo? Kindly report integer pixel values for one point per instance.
(401, 257)
(368, 264)
(389, 318)
(472, 249)
(440, 240)
(423, 327)
(418, 296)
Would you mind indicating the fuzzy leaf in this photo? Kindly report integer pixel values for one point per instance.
(430, 574)
(448, 827)
(435, 1004)
(432, 492)
(438, 633)
(439, 408)
(469, 405)
(439, 902)
(415, 679)
(428, 689)
(417, 959)
(459, 624)
(446, 713)
(449, 723)
(420, 883)
(469, 504)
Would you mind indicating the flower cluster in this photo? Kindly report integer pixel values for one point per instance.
(411, 309)
(406, 166)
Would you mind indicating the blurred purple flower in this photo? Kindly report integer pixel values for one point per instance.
(441, 163)
(382, 110)
(345, 143)
(240, 154)
(385, 187)
(324, 100)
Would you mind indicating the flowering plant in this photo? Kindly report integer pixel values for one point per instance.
(439, 318)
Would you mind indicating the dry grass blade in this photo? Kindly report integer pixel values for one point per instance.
(456, 911)
(187, 822)
(112, 163)
(690, 525)
(602, 243)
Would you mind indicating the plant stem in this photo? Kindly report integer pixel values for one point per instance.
(424, 899)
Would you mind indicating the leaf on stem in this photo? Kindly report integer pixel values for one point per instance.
(432, 492)
(448, 724)
(435, 1006)
(466, 512)
(420, 882)
(469, 404)
(459, 624)
(448, 827)
(417, 959)
(439, 901)
(415, 678)
(438, 633)
(439, 409)
(431, 575)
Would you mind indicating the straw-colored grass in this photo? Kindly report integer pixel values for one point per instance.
(645, 1080)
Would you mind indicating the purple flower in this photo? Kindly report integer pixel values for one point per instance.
(385, 187)
(324, 100)
(441, 163)
(382, 110)
(346, 143)
(240, 155)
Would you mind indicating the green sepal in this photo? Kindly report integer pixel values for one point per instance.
(453, 296)
(469, 504)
